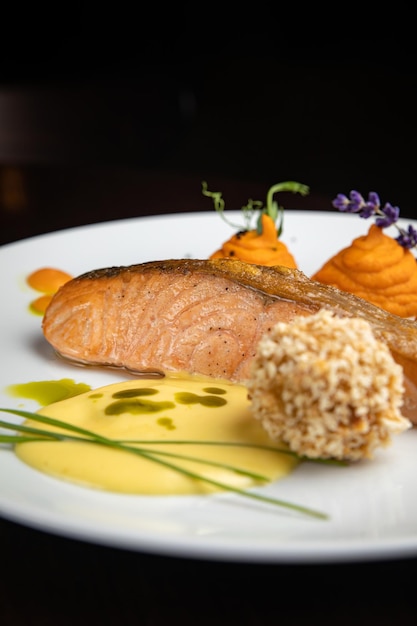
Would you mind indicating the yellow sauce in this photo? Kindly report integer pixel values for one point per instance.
(172, 408)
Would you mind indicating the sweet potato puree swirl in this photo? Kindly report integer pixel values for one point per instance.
(375, 267)
(258, 248)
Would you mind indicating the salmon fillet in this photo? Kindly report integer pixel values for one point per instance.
(202, 316)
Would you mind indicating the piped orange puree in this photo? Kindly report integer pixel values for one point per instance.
(257, 248)
(376, 268)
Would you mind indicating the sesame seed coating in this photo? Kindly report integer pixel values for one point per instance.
(326, 387)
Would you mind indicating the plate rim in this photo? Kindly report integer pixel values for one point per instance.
(331, 552)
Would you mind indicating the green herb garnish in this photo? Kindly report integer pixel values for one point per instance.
(75, 433)
(254, 209)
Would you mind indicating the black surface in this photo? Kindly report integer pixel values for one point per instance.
(57, 581)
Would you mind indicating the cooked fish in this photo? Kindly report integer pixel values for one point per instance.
(202, 316)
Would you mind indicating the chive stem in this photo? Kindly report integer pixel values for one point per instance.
(152, 455)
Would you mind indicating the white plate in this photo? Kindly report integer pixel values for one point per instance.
(372, 506)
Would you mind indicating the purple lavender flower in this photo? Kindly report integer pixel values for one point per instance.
(374, 200)
(341, 202)
(357, 201)
(372, 206)
(386, 216)
(407, 238)
(367, 210)
(390, 216)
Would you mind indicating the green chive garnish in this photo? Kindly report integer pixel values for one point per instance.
(143, 449)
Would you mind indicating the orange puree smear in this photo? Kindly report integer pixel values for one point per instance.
(46, 280)
(376, 268)
(39, 305)
(258, 249)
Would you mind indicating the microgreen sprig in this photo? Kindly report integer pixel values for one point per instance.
(256, 208)
(387, 215)
(75, 433)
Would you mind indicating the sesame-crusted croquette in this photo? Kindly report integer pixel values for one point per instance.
(326, 387)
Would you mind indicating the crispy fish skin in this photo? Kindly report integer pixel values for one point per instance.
(202, 316)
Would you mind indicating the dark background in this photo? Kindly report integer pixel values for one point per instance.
(126, 112)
